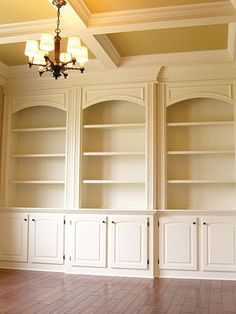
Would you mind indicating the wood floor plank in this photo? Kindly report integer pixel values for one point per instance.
(31, 292)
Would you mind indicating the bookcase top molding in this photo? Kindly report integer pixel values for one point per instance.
(54, 100)
(224, 92)
(133, 94)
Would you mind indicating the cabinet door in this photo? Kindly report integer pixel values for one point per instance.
(14, 237)
(178, 243)
(47, 238)
(88, 240)
(219, 243)
(128, 242)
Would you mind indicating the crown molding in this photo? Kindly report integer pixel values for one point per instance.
(21, 77)
(221, 71)
(3, 73)
(162, 17)
(183, 58)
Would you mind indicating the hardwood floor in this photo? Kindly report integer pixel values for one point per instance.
(26, 292)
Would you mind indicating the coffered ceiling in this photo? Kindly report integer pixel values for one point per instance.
(124, 32)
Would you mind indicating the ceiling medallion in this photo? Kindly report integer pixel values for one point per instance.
(38, 53)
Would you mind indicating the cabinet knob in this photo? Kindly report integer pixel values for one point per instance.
(194, 223)
(33, 219)
(113, 222)
(204, 223)
(25, 219)
(103, 221)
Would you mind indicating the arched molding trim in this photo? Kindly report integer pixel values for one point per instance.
(33, 103)
(114, 98)
(203, 96)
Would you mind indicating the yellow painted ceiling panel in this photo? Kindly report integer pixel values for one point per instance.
(171, 40)
(13, 54)
(96, 6)
(13, 11)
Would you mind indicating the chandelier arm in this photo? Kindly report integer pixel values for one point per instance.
(48, 60)
(37, 64)
(75, 68)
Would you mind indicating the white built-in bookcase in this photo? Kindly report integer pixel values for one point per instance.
(36, 171)
(200, 155)
(113, 172)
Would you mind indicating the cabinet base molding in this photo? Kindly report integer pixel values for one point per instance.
(32, 267)
(78, 271)
(197, 275)
(110, 272)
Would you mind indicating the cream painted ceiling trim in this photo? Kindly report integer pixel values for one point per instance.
(106, 55)
(164, 17)
(18, 32)
(179, 58)
(232, 40)
(233, 3)
(3, 73)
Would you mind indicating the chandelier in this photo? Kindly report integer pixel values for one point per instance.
(38, 53)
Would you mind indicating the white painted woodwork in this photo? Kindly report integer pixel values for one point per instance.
(14, 237)
(219, 243)
(200, 144)
(88, 240)
(46, 238)
(37, 150)
(128, 242)
(178, 243)
(115, 130)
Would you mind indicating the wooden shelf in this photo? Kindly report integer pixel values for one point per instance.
(37, 155)
(39, 129)
(199, 152)
(207, 123)
(113, 153)
(199, 181)
(36, 182)
(114, 125)
(112, 182)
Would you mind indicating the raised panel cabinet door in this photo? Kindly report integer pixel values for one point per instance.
(46, 238)
(178, 243)
(14, 237)
(129, 241)
(88, 241)
(219, 243)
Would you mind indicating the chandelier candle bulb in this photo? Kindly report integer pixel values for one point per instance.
(74, 46)
(32, 46)
(65, 57)
(47, 42)
(83, 55)
(62, 61)
(39, 58)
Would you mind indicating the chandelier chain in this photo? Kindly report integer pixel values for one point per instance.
(57, 30)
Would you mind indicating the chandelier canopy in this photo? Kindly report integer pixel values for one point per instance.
(38, 53)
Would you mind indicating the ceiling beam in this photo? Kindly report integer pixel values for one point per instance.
(18, 32)
(232, 40)
(107, 54)
(162, 17)
(233, 3)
